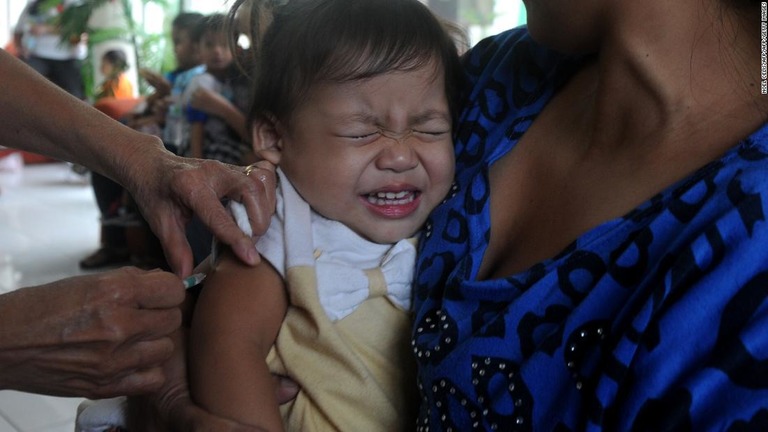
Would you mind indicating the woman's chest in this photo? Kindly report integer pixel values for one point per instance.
(543, 198)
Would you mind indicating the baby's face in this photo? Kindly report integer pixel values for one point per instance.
(375, 154)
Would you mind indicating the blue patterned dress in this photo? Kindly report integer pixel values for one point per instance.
(651, 322)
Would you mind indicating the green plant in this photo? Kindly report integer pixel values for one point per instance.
(477, 12)
(150, 49)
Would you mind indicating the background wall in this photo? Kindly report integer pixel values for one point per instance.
(9, 13)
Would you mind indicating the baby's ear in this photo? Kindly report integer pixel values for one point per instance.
(267, 142)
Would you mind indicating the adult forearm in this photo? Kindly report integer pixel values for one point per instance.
(40, 117)
(37, 116)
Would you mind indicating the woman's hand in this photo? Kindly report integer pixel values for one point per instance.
(168, 190)
(92, 336)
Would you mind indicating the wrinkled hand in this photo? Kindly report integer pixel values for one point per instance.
(169, 189)
(172, 407)
(90, 336)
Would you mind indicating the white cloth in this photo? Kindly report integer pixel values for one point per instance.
(343, 259)
(100, 415)
(241, 217)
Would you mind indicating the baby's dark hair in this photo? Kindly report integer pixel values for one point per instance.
(312, 41)
(187, 21)
(118, 59)
(212, 23)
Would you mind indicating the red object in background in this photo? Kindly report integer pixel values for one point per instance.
(29, 158)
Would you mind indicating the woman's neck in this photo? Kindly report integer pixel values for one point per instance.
(670, 73)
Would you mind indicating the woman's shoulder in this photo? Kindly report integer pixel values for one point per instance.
(515, 67)
(514, 49)
(502, 42)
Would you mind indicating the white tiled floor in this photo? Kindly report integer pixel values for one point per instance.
(48, 222)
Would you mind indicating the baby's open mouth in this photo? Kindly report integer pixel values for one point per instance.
(391, 198)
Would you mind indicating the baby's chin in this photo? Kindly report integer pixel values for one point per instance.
(389, 232)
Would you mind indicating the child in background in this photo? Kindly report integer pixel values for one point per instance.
(188, 66)
(215, 130)
(210, 136)
(355, 101)
(116, 83)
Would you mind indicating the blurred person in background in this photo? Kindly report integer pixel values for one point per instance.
(41, 47)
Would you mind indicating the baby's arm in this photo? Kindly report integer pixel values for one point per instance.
(235, 324)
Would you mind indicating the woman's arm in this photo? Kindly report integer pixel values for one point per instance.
(236, 321)
(63, 127)
(166, 187)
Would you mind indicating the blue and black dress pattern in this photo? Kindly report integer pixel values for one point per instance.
(656, 321)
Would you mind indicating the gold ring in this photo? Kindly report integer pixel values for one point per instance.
(250, 169)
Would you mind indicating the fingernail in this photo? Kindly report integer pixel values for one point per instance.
(252, 255)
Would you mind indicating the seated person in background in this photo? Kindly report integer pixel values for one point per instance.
(115, 96)
(116, 83)
(374, 104)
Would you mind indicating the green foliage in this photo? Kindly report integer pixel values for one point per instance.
(102, 35)
(156, 55)
(476, 12)
(151, 49)
(73, 21)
